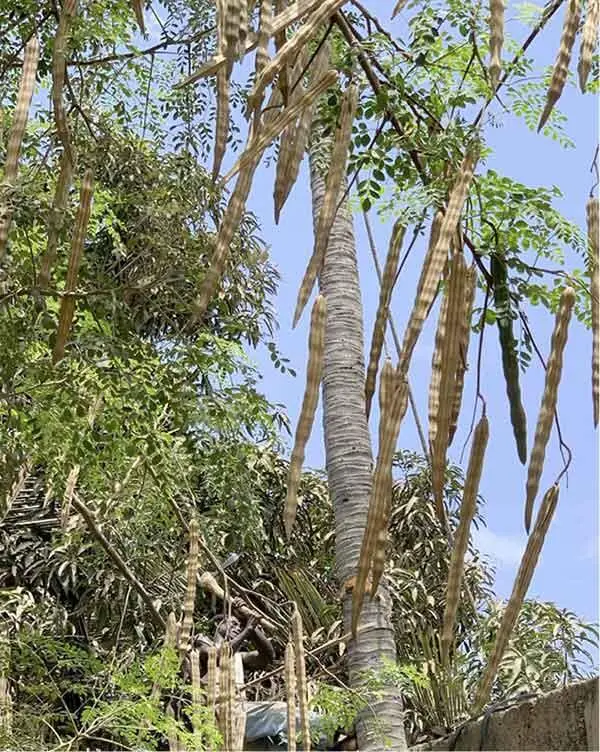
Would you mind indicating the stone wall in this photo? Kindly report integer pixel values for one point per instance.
(566, 719)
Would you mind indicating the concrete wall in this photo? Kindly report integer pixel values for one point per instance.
(566, 719)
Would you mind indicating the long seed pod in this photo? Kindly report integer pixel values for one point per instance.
(222, 121)
(196, 691)
(561, 65)
(333, 184)
(387, 388)
(283, 77)
(139, 14)
(56, 220)
(318, 69)
(381, 541)
(314, 371)
(263, 137)
(68, 497)
(465, 336)
(59, 70)
(398, 7)
(393, 404)
(67, 305)
(211, 680)
(5, 698)
(383, 308)
(288, 139)
(190, 591)
(265, 30)
(229, 224)
(496, 40)
(594, 272)
(508, 347)
(519, 591)
(291, 48)
(232, 32)
(222, 84)
(226, 698)
(430, 275)
(243, 26)
(467, 512)
(589, 40)
(290, 691)
(436, 371)
(549, 397)
(301, 683)
(15, 137)
(172, 736)
(449, 362)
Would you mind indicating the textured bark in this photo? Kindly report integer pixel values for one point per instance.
(349, 465)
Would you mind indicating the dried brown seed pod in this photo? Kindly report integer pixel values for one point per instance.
(468, 508)
(318, 69)
(16, 133)
(436, 371)
(288, 139)
(449, 362)
(561, 65)
(59, 70)
(314, 371)
(519, 591)
(393, 403)
(190, 591)
(594, 272)
(465, 336)
(265, 31)
(67, 305)
(436, 256)
(301, 683)
(222, 122)
(211, 680)
(333, 185)
(196, 690)
(383, 309)
(226, 696)
(381, 540)
(398, 7)
(549, 398)
(496, 40)
(589, 40)
(290, 689)
(232, 16)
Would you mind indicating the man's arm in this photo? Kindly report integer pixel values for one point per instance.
(263, 656)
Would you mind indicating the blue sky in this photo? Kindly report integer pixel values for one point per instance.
(568, 570)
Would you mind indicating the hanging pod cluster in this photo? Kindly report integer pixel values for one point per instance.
(443, 231)
(589, 40)
(300, 683)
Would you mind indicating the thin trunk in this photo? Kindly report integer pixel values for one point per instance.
(349, 463)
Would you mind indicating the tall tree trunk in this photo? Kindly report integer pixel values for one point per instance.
(349, 466)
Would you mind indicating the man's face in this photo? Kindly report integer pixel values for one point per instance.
(230, 628)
